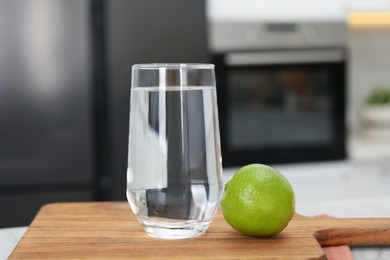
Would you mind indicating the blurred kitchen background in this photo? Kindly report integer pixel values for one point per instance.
(293, 79)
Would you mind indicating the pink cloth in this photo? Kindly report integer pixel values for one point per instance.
(336, 252)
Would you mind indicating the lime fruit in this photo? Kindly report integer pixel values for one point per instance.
(258, 201)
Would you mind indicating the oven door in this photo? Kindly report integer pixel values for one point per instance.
(281, 106)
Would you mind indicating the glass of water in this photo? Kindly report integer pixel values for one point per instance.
(174, 176)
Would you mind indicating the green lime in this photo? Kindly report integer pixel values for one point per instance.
(258, 201)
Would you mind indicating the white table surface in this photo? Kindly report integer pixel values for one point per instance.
(9, 238)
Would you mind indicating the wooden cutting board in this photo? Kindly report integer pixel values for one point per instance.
(109, 230)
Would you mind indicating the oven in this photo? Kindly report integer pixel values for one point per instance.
(283, 104)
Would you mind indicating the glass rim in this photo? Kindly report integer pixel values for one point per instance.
(173, 66)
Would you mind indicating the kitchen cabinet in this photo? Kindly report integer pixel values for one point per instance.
(65, 69)
(145, 31)
(47, 150)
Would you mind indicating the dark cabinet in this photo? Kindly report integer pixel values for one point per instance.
(65, 70)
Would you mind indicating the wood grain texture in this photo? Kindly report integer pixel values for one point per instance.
(109, 230)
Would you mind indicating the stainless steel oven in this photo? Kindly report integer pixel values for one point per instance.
(282, 102)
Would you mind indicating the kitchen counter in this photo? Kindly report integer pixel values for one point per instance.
(9, 237)
(373, 207)
(357, 187)
(364, 175)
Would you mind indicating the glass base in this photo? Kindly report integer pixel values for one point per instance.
(172, 232)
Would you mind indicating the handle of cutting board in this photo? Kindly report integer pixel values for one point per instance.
(354, 236)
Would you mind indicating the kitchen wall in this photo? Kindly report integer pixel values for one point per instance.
(276, 10)
(280, 10)
(369, 67)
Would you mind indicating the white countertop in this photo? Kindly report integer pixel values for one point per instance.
(339, 189)
(9, 238)
(319, 185)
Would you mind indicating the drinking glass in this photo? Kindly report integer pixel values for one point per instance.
(174, 175)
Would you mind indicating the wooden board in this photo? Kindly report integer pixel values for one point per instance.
(109, 230)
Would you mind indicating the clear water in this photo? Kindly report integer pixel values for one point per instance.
(174, 169)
